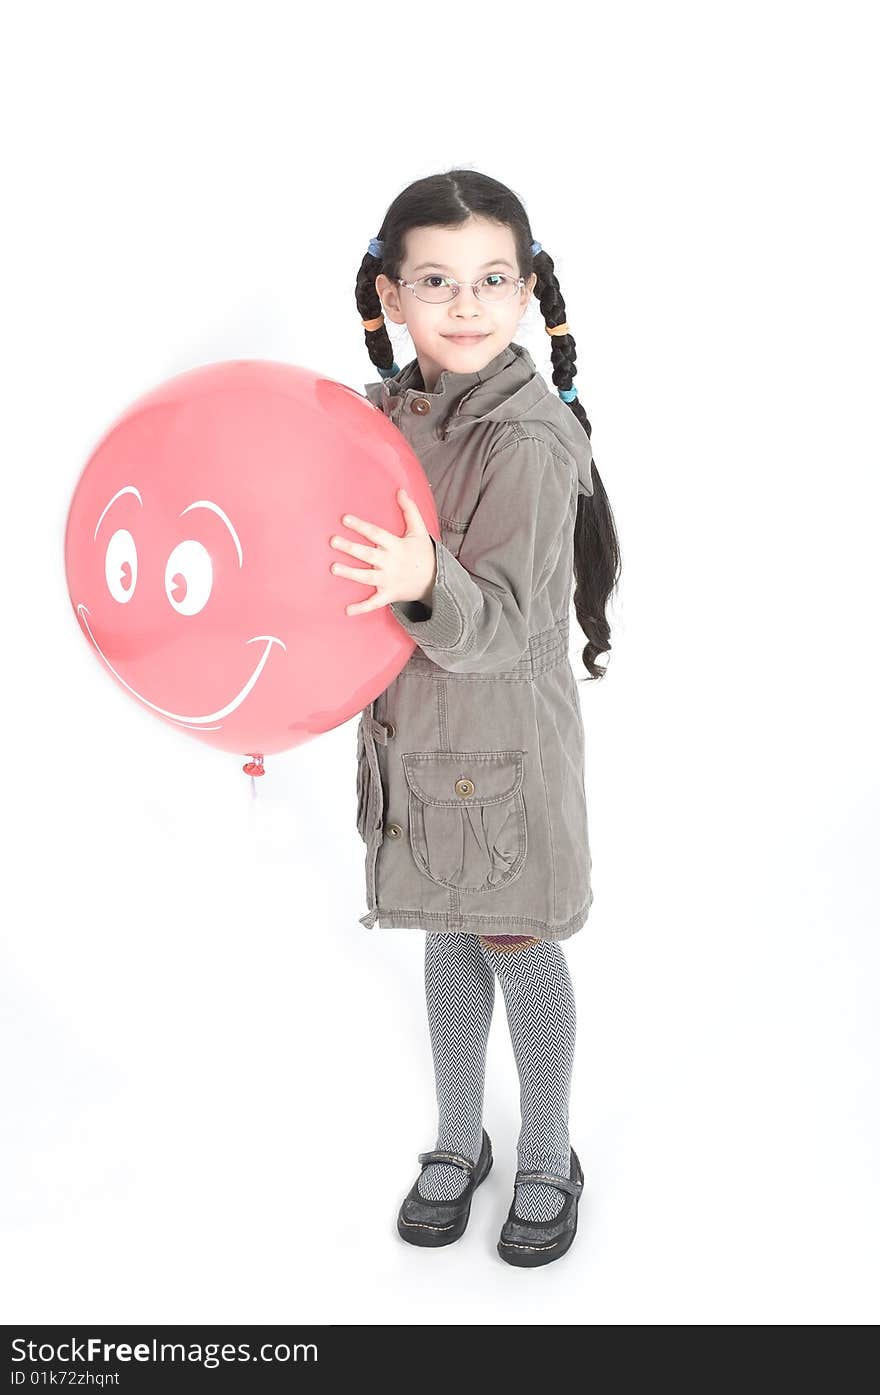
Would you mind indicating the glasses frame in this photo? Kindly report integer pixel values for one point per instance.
(518, 284)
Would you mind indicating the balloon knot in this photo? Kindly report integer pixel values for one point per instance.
(255, 765)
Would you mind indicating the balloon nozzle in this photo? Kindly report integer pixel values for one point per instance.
(254, 767)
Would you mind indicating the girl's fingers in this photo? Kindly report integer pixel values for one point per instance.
(369, 530)
(358, 607)
(411, 512)
(355, 548)
(367, 575)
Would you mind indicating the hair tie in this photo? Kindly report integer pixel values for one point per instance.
(536, 248)
(567, 394)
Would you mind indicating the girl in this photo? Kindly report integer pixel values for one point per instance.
(471, 763)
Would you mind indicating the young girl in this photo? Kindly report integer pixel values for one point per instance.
(471, 763)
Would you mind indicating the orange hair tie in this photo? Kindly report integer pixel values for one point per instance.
(373, 324)
(557, 329)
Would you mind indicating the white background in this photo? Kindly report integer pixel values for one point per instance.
(215, 1081)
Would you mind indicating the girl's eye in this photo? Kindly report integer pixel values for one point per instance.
(441, 279)
(495, 278)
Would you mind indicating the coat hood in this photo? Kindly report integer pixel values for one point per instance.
(506, 389)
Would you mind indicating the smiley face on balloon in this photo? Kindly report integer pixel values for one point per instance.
(197, 549)
(187, 584)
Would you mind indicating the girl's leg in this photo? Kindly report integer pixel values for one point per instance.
(539, 999)
(460, 993)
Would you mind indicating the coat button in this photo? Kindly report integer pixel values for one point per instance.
(464, 788)
(420, 405)
(393, 830)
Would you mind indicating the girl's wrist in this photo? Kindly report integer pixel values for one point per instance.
(429, 589)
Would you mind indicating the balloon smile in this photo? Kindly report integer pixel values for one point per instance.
(197, 722)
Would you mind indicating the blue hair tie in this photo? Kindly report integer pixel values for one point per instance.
(536, 248)
(388, 372)
(567, 394)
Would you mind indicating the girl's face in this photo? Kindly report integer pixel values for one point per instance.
(466, 253)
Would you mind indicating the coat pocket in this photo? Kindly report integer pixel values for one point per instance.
(467, 818)
(363, 781)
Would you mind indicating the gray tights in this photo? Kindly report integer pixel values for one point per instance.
(460, 974)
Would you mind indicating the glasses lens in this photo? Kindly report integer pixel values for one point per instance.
(496, 286)
(493, 288)
(434, 288)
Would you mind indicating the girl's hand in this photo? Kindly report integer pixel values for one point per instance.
(401, 568)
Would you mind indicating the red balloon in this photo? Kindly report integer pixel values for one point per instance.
(197, 552)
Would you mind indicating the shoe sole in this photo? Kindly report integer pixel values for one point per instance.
(427, 1235)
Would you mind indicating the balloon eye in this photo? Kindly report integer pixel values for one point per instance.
(120, 566)
(189, 577)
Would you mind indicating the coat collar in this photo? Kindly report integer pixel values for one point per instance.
(507, 388)
(503, 389)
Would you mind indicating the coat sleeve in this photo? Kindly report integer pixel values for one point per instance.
(478, 615)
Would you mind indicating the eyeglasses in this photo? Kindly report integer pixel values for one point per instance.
(492, 288)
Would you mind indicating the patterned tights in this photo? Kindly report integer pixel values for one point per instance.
(460, 972)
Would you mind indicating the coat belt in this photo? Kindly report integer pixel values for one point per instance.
(546, 649)
(377, 730)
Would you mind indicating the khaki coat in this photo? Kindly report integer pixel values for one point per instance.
(470, 781)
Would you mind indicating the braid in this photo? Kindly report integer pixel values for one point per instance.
(596, 546)
(369, 306)
(562, 351)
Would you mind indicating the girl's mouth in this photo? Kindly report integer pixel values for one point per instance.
(465, 338)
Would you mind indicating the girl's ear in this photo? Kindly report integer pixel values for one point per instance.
(385, 288)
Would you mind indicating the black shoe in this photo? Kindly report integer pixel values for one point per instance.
(423, 1222)
(528, 1243)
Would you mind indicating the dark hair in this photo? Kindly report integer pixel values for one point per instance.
(448, 200)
